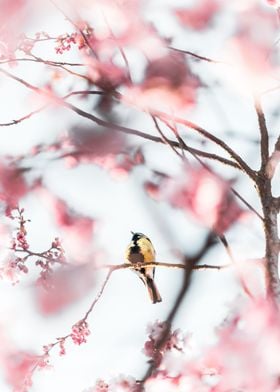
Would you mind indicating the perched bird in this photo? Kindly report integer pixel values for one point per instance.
(141, 250)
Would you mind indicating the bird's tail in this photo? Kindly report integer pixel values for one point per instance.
(153, 291)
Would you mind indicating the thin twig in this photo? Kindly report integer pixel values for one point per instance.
(40, 60)
(165, 139)
(237, 194)
(132, 131)
(196, 156)
(76, 26)
(197, 56)
(233, 261)
(210, 136)
(43, 107)
(97, 298)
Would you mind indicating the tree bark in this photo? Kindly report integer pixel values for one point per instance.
(272, 242)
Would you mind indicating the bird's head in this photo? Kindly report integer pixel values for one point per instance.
(137, 236)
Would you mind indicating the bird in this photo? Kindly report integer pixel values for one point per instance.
(141, 250)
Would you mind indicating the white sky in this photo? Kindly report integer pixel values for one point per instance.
(118, 323)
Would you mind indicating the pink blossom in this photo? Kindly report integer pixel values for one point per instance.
(273, 3)
(100, 386)
(80, 332)
(58, 288)
(124, 384)
(168, 77)
(106, 75)
(203, 194)
(200, 15)
(12, 184)
(174, 341)
(76, 230)
(250, 51)
(19, 368)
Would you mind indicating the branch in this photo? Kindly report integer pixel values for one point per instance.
(239, 165)
(115, 267)
(243, 165)
(76, 27)
(165, 139)
(196, 156)
(197, 56)
(263, 133)
(40, 109)
(237, 194)
(97, 298)
(40, 60)
(61, 340)
(23, 118)
(233, 261)
(190, 263)
(132, 131)
(112, 268)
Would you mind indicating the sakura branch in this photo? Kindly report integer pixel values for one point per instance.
(20, 246)
(80, 330)
(83, 34)
(131, 131)
(105, 123)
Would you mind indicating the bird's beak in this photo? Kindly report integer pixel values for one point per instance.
(132, 232)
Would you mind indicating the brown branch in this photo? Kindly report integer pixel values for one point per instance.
(233, 261)
(190, 263)
(197, 56)
(243, 165)
(116, 267)
(237, 194)
(165, 139)
(23, 118)
(264, 144)
(132, 131)
(40, 60)
(239, 165)
(61, 66)
(196, 156)
(49, 347)
(40, 109)
(97, 298)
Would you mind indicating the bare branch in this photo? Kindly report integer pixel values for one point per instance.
(116, 267)
(40, 109)
(97, 298)
(196, 156)
(40, 60)
(197, 56)
(243, 165)
(239, 165)
(237, 194)
(165, 139)
(190, 263)
(233, 261)
(263, 132)
(23, 118)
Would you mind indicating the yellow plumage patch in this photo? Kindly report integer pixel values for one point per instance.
(147, 249)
